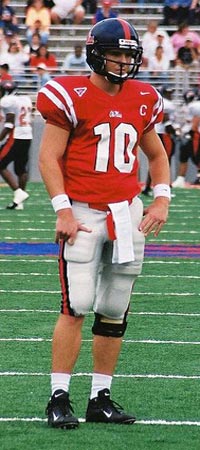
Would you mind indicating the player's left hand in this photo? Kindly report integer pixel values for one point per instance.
(155, 216)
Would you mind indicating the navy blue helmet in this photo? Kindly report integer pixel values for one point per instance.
(113, 34)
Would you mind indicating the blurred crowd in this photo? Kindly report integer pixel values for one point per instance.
(163, 50)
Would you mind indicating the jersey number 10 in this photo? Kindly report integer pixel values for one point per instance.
(125, 138)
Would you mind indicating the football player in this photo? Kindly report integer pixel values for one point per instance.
(167, 129)
(15, 140)
(88, 161)
(190, 138)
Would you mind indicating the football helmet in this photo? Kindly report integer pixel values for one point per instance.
(7, 87)
(190, 95)
(166, 91)
(113, 34)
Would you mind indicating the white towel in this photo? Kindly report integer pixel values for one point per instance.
(123, 244)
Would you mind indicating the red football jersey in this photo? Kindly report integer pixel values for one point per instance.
(100, 162)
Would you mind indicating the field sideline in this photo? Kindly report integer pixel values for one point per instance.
(158, 374)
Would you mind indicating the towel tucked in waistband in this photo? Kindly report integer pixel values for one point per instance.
(123, 250)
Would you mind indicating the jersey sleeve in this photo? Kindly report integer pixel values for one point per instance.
(8, 105)
(56, 106)
(157, 111)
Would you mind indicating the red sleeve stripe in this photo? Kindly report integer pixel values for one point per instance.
(125, 26)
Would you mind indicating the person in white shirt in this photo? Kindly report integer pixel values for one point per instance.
(16, 58)
(67, 9)
(159, 65)
(160, 38)
(15, 140)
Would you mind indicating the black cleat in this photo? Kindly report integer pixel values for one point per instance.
(103, 409)
(197, 181)
(59, 411)
(12, 205)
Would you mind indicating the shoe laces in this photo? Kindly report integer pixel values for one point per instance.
(107, 402)
(63, 403)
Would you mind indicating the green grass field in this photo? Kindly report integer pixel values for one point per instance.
(158, 373)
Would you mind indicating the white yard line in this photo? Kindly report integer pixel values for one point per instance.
(126, 341)
(138, 422)
(141, 313)
(83, 374)
(35, 274)
(37, 260)
(43, 291)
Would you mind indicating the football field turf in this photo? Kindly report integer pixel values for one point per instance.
(158, 374)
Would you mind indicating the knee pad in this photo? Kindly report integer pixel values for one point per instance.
(104, 326)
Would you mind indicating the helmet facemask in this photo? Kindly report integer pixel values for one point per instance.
(99, 59)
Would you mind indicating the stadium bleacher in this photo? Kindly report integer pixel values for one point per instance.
(63, 37)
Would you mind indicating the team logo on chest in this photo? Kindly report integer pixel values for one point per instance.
(115, 114)
(80, 91)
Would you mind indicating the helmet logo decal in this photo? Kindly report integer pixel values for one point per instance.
(127, 43)
(90, 40)
(80, 91)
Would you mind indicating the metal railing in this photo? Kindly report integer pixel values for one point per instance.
(180, 80)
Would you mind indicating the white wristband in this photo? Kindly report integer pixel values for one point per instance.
(162, 190)
(60, 201)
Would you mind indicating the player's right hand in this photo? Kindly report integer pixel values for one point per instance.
(67, 226)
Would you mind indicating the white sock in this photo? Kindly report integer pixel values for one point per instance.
(99, 382)
(60, 381)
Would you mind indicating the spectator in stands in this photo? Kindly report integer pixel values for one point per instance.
(49, 3)
(105, 11)
(32, 48)
(90, 6)
(16, 59)
(150, 39)
(178, 37)
(160, 39)
(8, 19)
(42, 75)
(187, 55)
(176, 11)
(4, 73)
(70, 9)
(3, 44)
(75, 61)
(194, 13)
(43, 56)
(150, 34)
(158, 66)
(38, 20)
(6, 39)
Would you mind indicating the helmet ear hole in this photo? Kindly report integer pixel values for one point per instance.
(97, 61)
